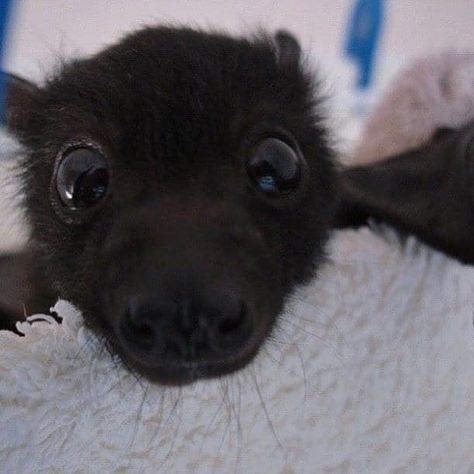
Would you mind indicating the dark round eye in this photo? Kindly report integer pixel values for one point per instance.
(274, 168)
(82, 178)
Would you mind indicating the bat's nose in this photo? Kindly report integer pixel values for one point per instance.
(192, 329)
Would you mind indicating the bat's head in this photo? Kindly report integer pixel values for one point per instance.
(179, 186)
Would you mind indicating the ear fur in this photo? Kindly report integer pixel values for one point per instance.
(442, 132)
(19, 98)
(288, 48)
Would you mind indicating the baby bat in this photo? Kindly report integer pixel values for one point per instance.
(180, 185)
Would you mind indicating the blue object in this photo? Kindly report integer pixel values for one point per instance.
(4, 16)
(363, 37)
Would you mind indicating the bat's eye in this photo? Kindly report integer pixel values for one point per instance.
(82, 178)
(274, 168)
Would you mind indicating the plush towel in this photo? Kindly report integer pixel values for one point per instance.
(371, 369)
(432, 93)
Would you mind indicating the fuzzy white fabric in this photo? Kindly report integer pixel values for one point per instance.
(370, 371)
(432, 93)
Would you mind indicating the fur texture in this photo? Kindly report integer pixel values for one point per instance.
(371, 371)
(177, 113)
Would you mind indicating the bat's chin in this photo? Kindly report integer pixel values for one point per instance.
(177, 373)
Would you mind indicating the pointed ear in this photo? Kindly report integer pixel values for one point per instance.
(20, 97)
(442, 132)
(288, 48)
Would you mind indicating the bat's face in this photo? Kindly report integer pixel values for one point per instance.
(179, 186)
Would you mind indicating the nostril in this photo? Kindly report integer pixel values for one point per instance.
(230, 323)
(152, 330)
(139, 334)
(232, 329)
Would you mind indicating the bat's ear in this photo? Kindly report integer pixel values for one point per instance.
(442, 132)
(20, 97)
(288, 48)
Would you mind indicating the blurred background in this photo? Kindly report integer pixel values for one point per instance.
(42, 32)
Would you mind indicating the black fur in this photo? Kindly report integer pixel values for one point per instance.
(176, 112)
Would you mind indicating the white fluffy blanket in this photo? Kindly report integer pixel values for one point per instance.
(371, 371)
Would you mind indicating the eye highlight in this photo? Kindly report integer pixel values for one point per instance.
(82, 178)
(274, 168)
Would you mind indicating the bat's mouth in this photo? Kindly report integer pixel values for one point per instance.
(176, 373)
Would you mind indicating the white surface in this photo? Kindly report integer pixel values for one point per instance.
(372, 373)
